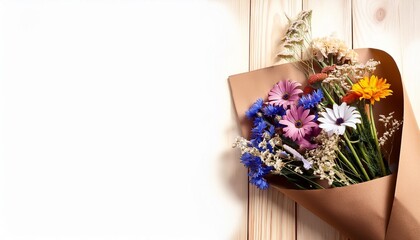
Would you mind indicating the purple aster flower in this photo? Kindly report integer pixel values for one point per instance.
(306, 142)
(298, 122)
(284, 93)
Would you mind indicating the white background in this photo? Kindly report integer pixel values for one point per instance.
(116, 120)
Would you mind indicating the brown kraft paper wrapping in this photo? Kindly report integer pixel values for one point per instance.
(385, 208)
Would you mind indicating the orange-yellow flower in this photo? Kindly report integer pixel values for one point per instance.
(372, 88)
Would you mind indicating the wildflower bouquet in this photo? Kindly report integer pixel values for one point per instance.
(320, 122)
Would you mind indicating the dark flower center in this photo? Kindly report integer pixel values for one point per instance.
(339, 121)
(285, 96)
(298, 124)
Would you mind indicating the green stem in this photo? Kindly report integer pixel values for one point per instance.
(322, 64)
(349, 81)
(348, 163)
(375, 137)
(341, 91)
(362, 148)
(328, 95)
(359, 163)
(307, 179)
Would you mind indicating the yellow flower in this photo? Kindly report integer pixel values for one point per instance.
(372, 88)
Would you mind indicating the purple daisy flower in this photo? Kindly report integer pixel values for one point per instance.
(284, 93)
(298, 123)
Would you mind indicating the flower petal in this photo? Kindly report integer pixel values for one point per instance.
(349, 124)
(342, 109)
(335, 110)
(341, 130)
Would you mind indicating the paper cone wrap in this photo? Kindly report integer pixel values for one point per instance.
(384, 208)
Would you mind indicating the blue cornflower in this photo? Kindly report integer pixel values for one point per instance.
(255, 142)
(257, 176)
(258, 120)
(254, 164)
(271, 110)
(258, 130)
(257, 170)
(248, 159)
(311, 100)
(253, 110)
(260, 182)
(318, 95)
(271, 130)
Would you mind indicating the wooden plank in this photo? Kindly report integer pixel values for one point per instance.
(268, 25)
(239, 43)
(409, 19)
(328, 17)
(309, 226)
(331, 17)
(271, 214)
(376, 24)
(392, 26)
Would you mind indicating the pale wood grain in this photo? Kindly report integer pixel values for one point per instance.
(271, 214)
(392, 26)
(376, 24)
(268, 25)
(237, 175)
(309, 226)
(409, 19)
(331, 17)
(328, 17)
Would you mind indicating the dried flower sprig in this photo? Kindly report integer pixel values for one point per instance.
(329, 49)
(391, 127)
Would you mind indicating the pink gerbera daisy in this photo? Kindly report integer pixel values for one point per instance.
(298, 123)
(284, 93)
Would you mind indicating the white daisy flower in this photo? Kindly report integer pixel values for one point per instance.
(335, 120)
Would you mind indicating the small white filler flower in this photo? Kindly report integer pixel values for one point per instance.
(335, 120)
